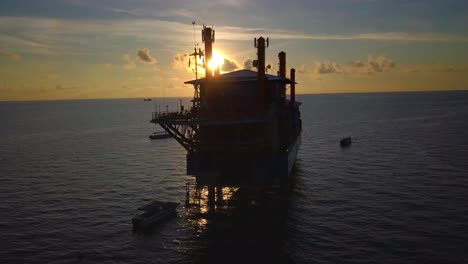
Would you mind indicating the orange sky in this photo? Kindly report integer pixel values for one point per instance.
(82, 49)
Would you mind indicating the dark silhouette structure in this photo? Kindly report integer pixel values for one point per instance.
(241, 129)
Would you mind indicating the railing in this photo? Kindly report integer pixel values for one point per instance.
(182, 115)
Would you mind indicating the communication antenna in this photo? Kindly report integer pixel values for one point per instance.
(195, 52)
(193, 25)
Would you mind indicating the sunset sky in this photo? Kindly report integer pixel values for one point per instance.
(73, 49)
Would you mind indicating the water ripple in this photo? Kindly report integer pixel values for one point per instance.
(71, 180)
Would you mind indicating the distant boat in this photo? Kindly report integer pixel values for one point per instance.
(154, 213)
(147, 99)
(344, 142)
(160, 135)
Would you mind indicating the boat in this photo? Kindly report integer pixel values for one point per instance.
(147, 99)
(345, 142)
(160, 135)
(154, 213)
(241, 127)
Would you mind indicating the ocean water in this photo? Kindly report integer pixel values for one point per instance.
(73, 173)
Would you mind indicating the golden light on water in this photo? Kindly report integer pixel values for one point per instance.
(221, 196)
(228, 192)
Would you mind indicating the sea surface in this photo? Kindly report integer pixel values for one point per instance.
(72, 174)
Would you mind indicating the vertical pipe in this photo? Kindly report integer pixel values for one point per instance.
(207, 38)
(293, 87)
(282, 74)
(282, 64)
(261, 73)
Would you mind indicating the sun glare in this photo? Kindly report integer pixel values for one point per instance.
(216, 61)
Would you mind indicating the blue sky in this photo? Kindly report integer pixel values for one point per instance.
(90, 49)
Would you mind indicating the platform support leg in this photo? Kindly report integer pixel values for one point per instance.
(187, 194)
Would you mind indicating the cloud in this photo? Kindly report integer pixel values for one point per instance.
(180, 62)
(304, 69)
(33, 35)
(10, 55)
(328, 67)
(241, 33)
(184, 62)
(229, 65)
(74, 36)
(129, 63)
(145, 56)
(357, 64)
(248, 63)
(380, 64)
(370, 67)
(146, 13)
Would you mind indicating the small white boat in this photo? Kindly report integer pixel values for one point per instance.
(154, 213)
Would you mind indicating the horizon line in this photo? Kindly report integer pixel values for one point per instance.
(178, 97)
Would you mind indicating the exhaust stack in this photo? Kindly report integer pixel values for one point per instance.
(260, 44)
(293, 87)
(282, 64)
(208, 38)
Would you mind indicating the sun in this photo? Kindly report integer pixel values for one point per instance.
(216, 61)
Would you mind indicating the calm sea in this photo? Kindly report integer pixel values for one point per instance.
(72, 174)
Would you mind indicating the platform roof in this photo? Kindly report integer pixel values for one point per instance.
(240, 76)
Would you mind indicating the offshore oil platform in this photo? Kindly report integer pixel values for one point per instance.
(241, 128)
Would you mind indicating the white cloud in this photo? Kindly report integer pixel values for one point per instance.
(74, 36)
(328, 67)
(239, 33)
(78, 36)
(186, 63)
(180, 62)
(371, 66)
(304, 69)
(166, 13)
(380, 64)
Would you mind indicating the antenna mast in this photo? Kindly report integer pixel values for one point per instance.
(195, 53)
(193, 25)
